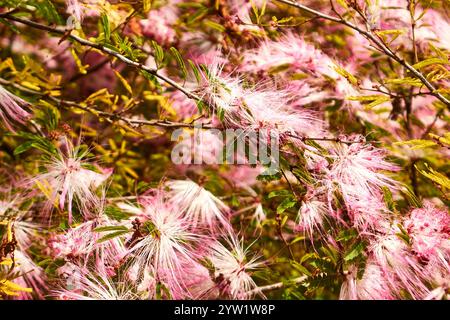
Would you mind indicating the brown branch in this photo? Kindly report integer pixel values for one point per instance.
(67, 34)
(277, 285)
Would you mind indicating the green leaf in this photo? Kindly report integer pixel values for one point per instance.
(106, 27)
(286, 204)
(435, 176)
(180, 61)
(279, 193)
(195, 70)
(48, 11)
(111, 228)
(269, 174)
(116, 214)
(417, 143)
(146, 5)
(355, 251)
(112, 236)
(300, 268)
(428, 62)
(23, 147)
(158, 53)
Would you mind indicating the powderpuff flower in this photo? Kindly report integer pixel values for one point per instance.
(24, 228)
(311, 216)
(372, 286)
(81, 243)
(198, 282)
(367, 213)
(233, 268)
(158, 25)
(68, 178)
(31, 275)
(349, 289)
(401, 268)
(96, 285)
(12, 109)
(219, 89)
(168, 245)
(358, 167)
(75, 9)
(270, 110)
(289, 51)
(429, 230)
(199, 206)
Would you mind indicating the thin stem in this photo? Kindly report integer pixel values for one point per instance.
(67, 34)
(277, 285)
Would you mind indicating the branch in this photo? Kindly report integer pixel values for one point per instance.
(66, 34)
(378, 42)
(110, 117)
(277, 285)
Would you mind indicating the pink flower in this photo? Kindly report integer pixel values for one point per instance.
(158, 25)
(233, 266)
(358, 172)
(402, 269)
(11, 109)
(199, 206)
(372, 286)
(221, 90)
(67, 180)
(429, 229)
(81, 243)
(95, 285)
(291, 51)
(169, 245)
(31, 275)
(311, 216)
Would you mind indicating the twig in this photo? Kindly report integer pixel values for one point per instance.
(277, 285)
(84, 42)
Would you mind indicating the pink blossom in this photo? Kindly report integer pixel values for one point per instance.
(233, 266)
(67, 180)
(169, 245)
(429, 229)
(12, 109)
(158, 25)
(358, 171)
(199, 206)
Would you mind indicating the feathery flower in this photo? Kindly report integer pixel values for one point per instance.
(200, 207)
(271, 110)
(429, 230)
(372, 286)
(169, 245)
(31, 275)
(81, 243)
(311, 216)
(357, 171)
(291, 51)
(401, 268)
(68, 179)
(12, 109)
(96, 285)
(233, 267)
(221, 90)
